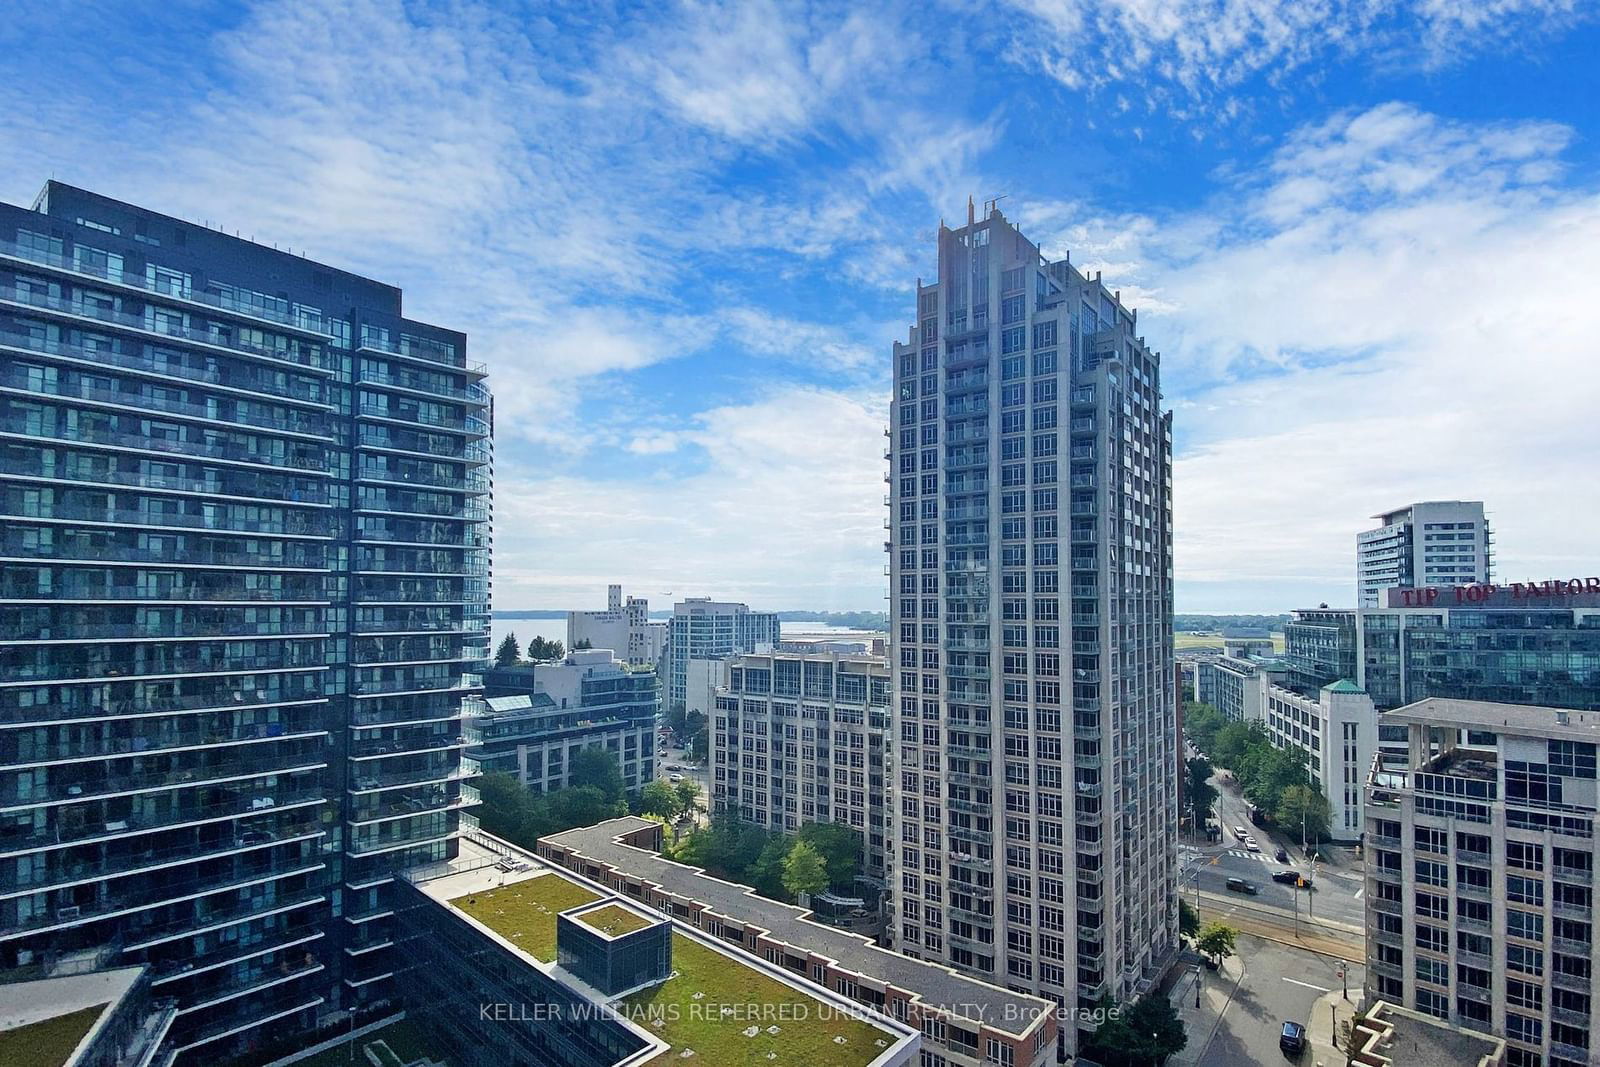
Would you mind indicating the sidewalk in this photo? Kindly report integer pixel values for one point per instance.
(1329, 1009)
(1216, 993)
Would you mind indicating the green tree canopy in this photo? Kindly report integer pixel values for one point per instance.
(1188, 919)
(659, 798)
(766, 873)
(1303, 809)
(688, 792)
(541, 650)
(509, 654)
(840, 849)
(1143, 1035)
(804, 870)
(1198, 794)
(598, 767)
(1216, 940)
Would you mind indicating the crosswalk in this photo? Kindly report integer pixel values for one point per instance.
(1246, 854)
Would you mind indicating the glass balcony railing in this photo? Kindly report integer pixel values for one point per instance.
(306, 423)
(418, 383)
(65, 835)
(128, 666)
(139, 936)
(167, 291)
(230, 378)
(155, 737)
(97, 784)
(34, 630)
(226, 451)
(269, 489)
(297, 352)
(429, 353)
(60, 875)
(366, 781)
(154, 893)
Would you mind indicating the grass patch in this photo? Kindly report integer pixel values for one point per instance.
(404, 1038)
(613, 920)
(806, 1027)
(524, 913)
(48, 1042)
(1183, 641)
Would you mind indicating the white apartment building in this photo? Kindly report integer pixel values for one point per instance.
(1434, 542)
(1338, 732)
(1230, 685)
(800, 737)
(1034, 776)
(704, 629)
(1481, 856)
(536, 718)
(623, 627)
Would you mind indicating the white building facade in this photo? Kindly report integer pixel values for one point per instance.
(800, 737)
(624, 627)
(1480, 873)
(1338, 732)
(1035, 800)
(703, 629)
(1431, 543)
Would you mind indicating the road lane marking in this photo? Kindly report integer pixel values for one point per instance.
(1308, 985)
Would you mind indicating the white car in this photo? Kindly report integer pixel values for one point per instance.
(1241, 833)
(1250, 845)
(674, 778)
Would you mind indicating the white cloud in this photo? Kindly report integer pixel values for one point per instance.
(786, 511)
(1181, 52)
(1405, 330)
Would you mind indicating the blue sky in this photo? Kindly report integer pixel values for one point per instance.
(1365, 237)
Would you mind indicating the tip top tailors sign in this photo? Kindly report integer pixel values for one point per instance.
(1552, 592)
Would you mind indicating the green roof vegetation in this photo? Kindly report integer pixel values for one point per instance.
(404, 1040)
(524, 913)
(48, 1042)
(613, 920)
(734, 1016)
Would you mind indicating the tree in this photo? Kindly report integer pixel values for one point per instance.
(509, 654)
(598, 768)
(581, 645)
(582, 805)
(1304, 809)
(840, 849)
(1144, 1035)
(803, 870)
(1199, 794)
(659, 798)
(1216, 940)
(767, 872)
(1188, 920)
(541, 650)
(687, 793)
(507, 806)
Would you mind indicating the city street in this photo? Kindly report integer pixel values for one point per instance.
(1338, 882)
(699, 774)
(1244, 1005)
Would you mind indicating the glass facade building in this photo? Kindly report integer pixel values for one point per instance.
(704, 629)
(244, 581)
(1034, 806)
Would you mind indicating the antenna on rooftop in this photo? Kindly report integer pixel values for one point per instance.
(991, 206)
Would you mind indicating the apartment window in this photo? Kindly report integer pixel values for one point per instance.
(1525, 959)
(1432, 938)
(1524, 924)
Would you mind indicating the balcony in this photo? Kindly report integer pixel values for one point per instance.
(225, 379)
(238, 696)
(102, 669)
(210, 520)
(421, 384)
(290, 936)
(313, 462)
(46, 632)
(468, 425)
(295, 353)
(1576, 875)
(1570, 910)
(366, 782)
(18, 881)
(430, 354)
(108, 905)
(1570, 947)
(141, 937)
(248, 1016)
(94, 833)
(163, 291)
(104, 786)
(299, 423)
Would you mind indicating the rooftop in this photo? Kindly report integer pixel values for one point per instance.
(958, 994)
(1527, 720)
(1399, 1036)
(715, 997)
(46, 1022)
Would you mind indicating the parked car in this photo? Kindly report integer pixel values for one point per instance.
(1239, 885)
(1281, 856)
(1293, 1039)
